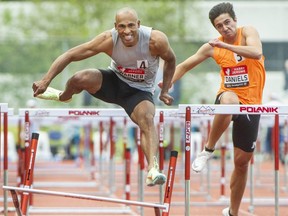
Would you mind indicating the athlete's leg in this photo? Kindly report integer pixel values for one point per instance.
(245, 132)
(221, 121)
(89, 80)
(143, 115)
(219, 125)
(238, 178)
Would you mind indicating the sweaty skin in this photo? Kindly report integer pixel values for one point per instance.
(127, 26)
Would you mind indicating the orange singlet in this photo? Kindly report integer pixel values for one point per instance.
(244, 76)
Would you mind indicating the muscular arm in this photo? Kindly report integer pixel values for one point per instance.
(101, 43)
(252, 47)
(159, 46)
(204, 52)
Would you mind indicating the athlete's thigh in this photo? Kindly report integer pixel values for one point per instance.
(245, 132)
(109, 87)
(135, 100)
(227, 97)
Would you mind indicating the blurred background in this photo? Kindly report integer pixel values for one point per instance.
(34, 33)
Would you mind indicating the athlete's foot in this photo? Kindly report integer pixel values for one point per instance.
(154, 177)
(52, 94)
(226, 212)
(200, 162)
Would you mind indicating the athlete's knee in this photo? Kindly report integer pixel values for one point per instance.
(81, 79)
(81, 76)
(145, 121)
(241, 161)
(229, 97)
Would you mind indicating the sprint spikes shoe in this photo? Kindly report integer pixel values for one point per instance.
(52, 94)
(154, 177)
(200, 161)
(226, 212)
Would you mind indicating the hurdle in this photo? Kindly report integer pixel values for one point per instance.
(81, 196)
(79, 114)
(187, 159)
(165, 207)
(84, 114)
(161, 147)
(212, 109)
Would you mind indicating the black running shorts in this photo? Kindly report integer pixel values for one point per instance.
(114, 90)
(244, 130)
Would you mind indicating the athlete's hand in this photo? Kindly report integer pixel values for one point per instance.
(166, 98)
(217, 43)
(39, 87)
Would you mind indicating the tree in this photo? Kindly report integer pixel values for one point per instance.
(38, 31)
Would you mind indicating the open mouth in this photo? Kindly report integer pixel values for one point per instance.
(128, 38)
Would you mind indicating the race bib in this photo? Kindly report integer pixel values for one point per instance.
(238, 58)
(133, 74)
(236, 76)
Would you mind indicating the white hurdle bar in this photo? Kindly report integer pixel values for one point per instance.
(212, 109)
(66, 112)
(87, 197)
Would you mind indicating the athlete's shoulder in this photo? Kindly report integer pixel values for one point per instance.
(104, 36)
(249, 29)
(158, 35)
(102, 42)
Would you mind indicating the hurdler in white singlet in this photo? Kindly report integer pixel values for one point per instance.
(135, 65)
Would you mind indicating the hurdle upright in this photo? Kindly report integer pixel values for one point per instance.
(212, 109)
(4, 111)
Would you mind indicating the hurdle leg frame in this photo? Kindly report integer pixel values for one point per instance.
(4, 111)
(276, 110)
(16, 202)
(165, 206)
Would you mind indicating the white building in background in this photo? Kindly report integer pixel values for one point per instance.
(269, 17)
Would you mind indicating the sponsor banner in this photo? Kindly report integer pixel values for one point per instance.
(233, 109)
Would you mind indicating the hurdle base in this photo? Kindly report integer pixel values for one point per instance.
(9, 209)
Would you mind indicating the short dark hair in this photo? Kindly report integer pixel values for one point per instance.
(221, 8)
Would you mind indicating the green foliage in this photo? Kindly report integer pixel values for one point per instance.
(19, 58)
(41, 30)
(45, 29)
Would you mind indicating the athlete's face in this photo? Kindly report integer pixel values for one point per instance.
(226, 26)
(127, 26)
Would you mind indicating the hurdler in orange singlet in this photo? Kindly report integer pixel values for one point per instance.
(244, 76)
(239, 54)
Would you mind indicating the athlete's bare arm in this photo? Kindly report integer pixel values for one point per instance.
(159, 46)
(204, 52)
(251, 47)
(101, 43)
